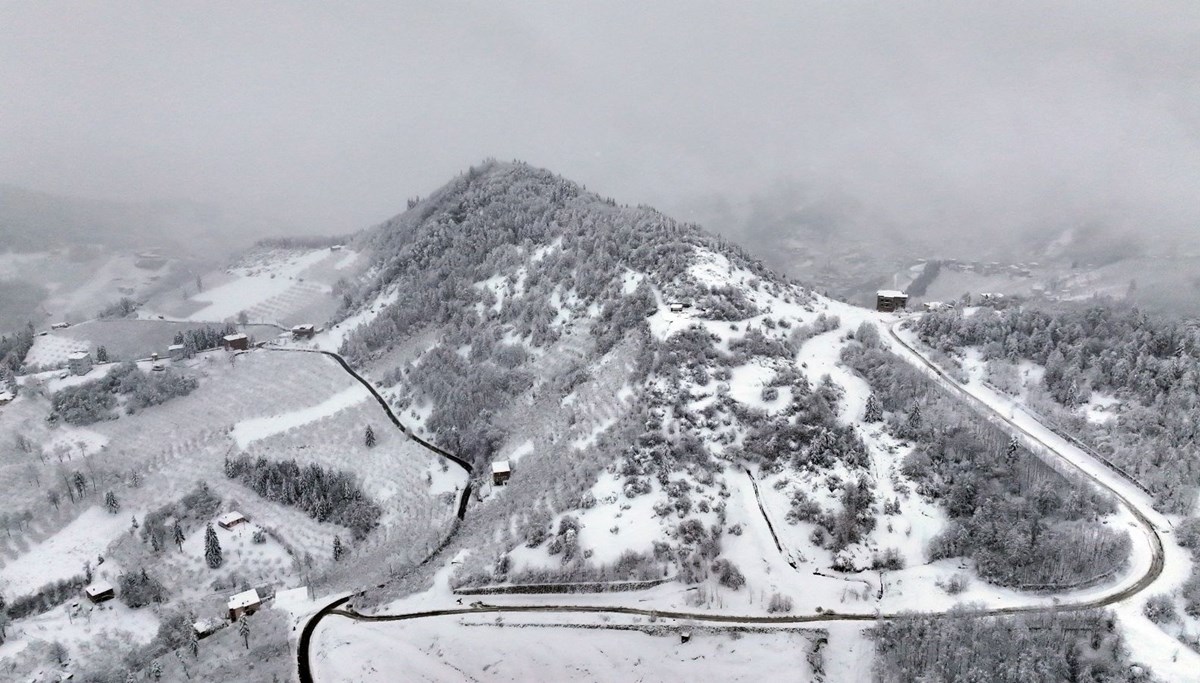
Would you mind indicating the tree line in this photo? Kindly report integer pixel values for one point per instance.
(326, 495)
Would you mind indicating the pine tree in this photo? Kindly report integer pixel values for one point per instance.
(133, 524)
(369, 437)
(156, 670)
(177, 532)
(873, 412)
(193, 641)
(212, 548)
(111, 503)
(101, 354)
(244, 629)
(1010, 453)
(914, 420)
(338, 550)
(79, 482)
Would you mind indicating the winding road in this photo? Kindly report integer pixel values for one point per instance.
(912, 355)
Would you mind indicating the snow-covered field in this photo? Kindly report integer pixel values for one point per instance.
(525, 649)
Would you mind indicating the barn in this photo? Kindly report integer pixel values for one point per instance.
(236, 342)
(99, 591)
(246, 602)
(79, 363)
(889, 300)
(231, 519)
(501, 471)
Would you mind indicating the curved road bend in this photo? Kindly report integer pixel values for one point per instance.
(1155, 569)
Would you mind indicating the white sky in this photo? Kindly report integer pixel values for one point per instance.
(331, 114)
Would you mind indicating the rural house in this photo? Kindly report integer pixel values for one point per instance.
(236, 342)
(79, 363)
(231, 519)
(246, 602)
(501, 471)
(888, 300)
(305, 331)
(99, 591)
(175, 351)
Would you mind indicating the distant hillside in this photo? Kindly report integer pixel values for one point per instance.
(33, 221)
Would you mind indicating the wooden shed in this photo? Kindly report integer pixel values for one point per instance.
(501, 471)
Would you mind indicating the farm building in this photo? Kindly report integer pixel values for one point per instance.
(888, 300)
(99, 591)
(305, 331)
(246, 602)
(60, 326)
(79, 363)
(675, 307)
(236, 342)
(935, 305)
(501, 471)
(175, 351)
(231, 519)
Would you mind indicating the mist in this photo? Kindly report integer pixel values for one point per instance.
(941, 120)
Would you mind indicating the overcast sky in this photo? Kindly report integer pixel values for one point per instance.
(331, 114)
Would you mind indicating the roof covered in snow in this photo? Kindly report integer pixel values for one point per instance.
(234, 337)
(231, 517)
(501, 466)
(78, 355)
(98, 587)
(175, 347)
(244, 599)
(892, 293)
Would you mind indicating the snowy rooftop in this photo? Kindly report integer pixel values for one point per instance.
(98, 587)
(78, 355)
(231, 517)
(175, 347)
(303, 328)
(501, 466)
(244, 599)
(891, 293)
(234, 337)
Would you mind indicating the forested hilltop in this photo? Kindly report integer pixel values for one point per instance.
(561, 250)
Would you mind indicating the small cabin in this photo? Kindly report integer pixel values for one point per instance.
(60, 326)
(99, 591)
(305, 331)
(175, 351)
(236, 342)
(79, 363)
(675, 307)
(336, 247)
(889, 300)
(231, 519)
(246, 602)
(934, 305)
(501, 471)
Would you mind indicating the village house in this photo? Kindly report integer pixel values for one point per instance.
(175, 351)
(99, 591)
(246, 602)
(889, 300)
(676, 307)
(79, 363)
(501, 471)
(305, 331)
(236, 342)
(231, 519)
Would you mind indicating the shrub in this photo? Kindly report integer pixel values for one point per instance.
(1160, 609)
(779, 603)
